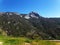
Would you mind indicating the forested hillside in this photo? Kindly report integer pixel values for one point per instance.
(30, 25)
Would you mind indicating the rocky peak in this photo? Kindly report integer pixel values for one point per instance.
(34, 14)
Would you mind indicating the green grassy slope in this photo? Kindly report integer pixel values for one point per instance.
(23, 41)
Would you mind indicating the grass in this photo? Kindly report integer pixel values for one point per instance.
(25, 41)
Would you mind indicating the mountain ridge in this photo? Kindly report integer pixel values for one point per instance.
(30, 25)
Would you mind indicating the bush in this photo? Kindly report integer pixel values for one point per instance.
(28, 41)
(12, 42)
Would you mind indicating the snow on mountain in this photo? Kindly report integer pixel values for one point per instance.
(33, 16)
(27, 17)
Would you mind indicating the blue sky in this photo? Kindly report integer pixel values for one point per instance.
(46, 8)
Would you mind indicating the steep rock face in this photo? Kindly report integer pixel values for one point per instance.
(30, 25)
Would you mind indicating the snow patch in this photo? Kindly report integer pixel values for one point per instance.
(9, 13)
(27, 16)
(32, 15)
(21, 16)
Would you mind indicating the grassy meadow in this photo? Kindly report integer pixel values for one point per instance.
(4, 40)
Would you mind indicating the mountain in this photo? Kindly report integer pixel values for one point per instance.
(30, 25)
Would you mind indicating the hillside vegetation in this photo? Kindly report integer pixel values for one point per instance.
(32, 26)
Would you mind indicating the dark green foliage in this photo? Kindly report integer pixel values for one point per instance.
(33, 28)
(28, 41)
(12, 41)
